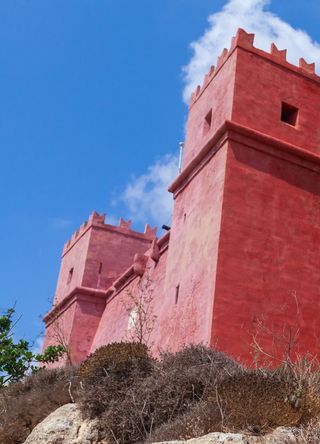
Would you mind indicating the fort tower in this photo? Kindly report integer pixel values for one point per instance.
(95, 256)
(251, 190)
(241, 262)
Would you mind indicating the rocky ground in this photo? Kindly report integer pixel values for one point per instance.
(65, 426)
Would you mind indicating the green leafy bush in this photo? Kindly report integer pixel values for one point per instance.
(16, 358)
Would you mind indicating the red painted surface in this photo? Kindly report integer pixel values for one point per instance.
(188, 262)
(92, 260)
(268, 268)
(242, 259)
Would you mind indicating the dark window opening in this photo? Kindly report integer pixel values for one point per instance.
(177, 294)
(289, 114)
(207, 123)
(100, 268)
(70, 276)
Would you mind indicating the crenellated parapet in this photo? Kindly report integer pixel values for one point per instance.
(245, 41)
(98, 221)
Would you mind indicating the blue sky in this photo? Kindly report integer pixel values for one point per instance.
(92, 109)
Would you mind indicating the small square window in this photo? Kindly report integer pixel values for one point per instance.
(207, 123)
(289, 114)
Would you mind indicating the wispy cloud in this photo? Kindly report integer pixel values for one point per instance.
(112, 220)
(60, 223)
(147, 197)
(253, 17)
(38, 345)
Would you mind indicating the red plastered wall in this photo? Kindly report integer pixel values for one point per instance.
(268, 280)
(115, 251)
(216, 97)
(260, 88)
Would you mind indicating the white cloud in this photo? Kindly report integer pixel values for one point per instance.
(112, 219)
(253, 17)
(147, 197)
(60, 223)
(38, 345)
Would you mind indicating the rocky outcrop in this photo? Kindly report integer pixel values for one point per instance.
(65, 426)
(279, 436)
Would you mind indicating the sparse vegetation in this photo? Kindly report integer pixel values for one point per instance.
(179, 396)
(26, 403)
(138, 305)
(16, 357)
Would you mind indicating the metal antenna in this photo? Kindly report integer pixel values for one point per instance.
(181, 144)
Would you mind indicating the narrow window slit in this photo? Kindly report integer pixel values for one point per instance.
(177, 293)
(70, 276)
(207, 123)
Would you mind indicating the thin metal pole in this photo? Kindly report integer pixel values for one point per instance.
(181, 144)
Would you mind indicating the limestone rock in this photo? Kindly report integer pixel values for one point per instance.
(65, 426)
(279, 436)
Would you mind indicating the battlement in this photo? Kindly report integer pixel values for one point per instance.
(242, 248)
(246, 41)
(98, 221)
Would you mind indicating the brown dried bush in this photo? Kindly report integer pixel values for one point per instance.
(107, 374)
(260, 400)
(312, 398)
(24, 404)
(131, 411)
(183, 395)
(183, 379)
(250, 400)
(309, 434)
(118, 358)
(201, 419)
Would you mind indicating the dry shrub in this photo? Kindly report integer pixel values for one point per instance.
(107, 374)
(310, 434)
(132, 409)
(304, 374)
(118, 358)
(183, 379)
(178, 382)
(184, 395)
(256, 401)
(24, 404)
(260, 400)
(201, 419)
(312, 398)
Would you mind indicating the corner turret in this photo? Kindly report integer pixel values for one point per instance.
(92, 259)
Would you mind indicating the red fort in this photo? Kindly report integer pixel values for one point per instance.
(241, 258)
